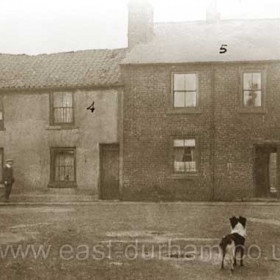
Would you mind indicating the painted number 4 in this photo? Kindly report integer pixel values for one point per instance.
(223, 49)
(91, 107)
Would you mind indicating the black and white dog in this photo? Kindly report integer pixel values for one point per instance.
(234, 242)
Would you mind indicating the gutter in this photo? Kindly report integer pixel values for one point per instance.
(48, 89)
(124, 64)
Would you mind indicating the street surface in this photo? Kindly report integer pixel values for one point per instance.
(119, 240)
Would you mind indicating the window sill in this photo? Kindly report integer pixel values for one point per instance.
(256, 110)
(62, 185)
(183, 176)
(183, 111)
(61, 127)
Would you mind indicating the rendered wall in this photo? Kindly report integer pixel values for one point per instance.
(28, 136)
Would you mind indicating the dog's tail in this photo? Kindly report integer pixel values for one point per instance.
(225, 242)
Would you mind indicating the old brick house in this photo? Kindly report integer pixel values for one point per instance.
(199, 122)
(45, 125)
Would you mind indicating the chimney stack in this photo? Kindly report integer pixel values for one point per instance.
(140, 22)
(212, 14)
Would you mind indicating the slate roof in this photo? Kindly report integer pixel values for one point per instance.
(87, 68)
(200, 41)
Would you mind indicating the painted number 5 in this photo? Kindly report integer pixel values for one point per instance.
(223, 49)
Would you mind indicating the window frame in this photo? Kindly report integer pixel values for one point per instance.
(253, 109)
(52, 118)
(197, 155)
(184, 109)
(61, 184)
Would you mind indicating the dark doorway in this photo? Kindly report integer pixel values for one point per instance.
(109, 171)
(266, 166)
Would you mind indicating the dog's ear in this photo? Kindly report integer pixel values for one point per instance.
(233, 221)
(242, 221)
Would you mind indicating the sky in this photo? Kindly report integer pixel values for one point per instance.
(48, 26)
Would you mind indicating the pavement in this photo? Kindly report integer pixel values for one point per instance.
(48, 196)
(58, 199)
(76, 197)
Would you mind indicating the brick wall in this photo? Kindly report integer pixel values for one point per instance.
(225, 133)
(239, 130)
(149, 126)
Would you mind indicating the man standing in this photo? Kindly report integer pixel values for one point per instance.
(8, 177)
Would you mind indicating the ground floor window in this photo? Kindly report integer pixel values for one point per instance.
(63, 165)
(184, 155)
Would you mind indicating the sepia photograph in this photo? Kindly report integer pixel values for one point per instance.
(139, 139)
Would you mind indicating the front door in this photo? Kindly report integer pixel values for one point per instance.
(266, 170)
(109, 171)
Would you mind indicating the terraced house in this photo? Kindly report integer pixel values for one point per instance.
(189, 111)
(47, 123)
(201, 109)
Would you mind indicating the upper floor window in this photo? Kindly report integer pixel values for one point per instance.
(62, 108)
(252, 89)
(1, 114)
(185, 159)
(185, 90)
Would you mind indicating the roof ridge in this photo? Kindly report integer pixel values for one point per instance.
(220, 21)
(60, 53)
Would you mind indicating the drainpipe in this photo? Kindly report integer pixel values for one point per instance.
(213, 130)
